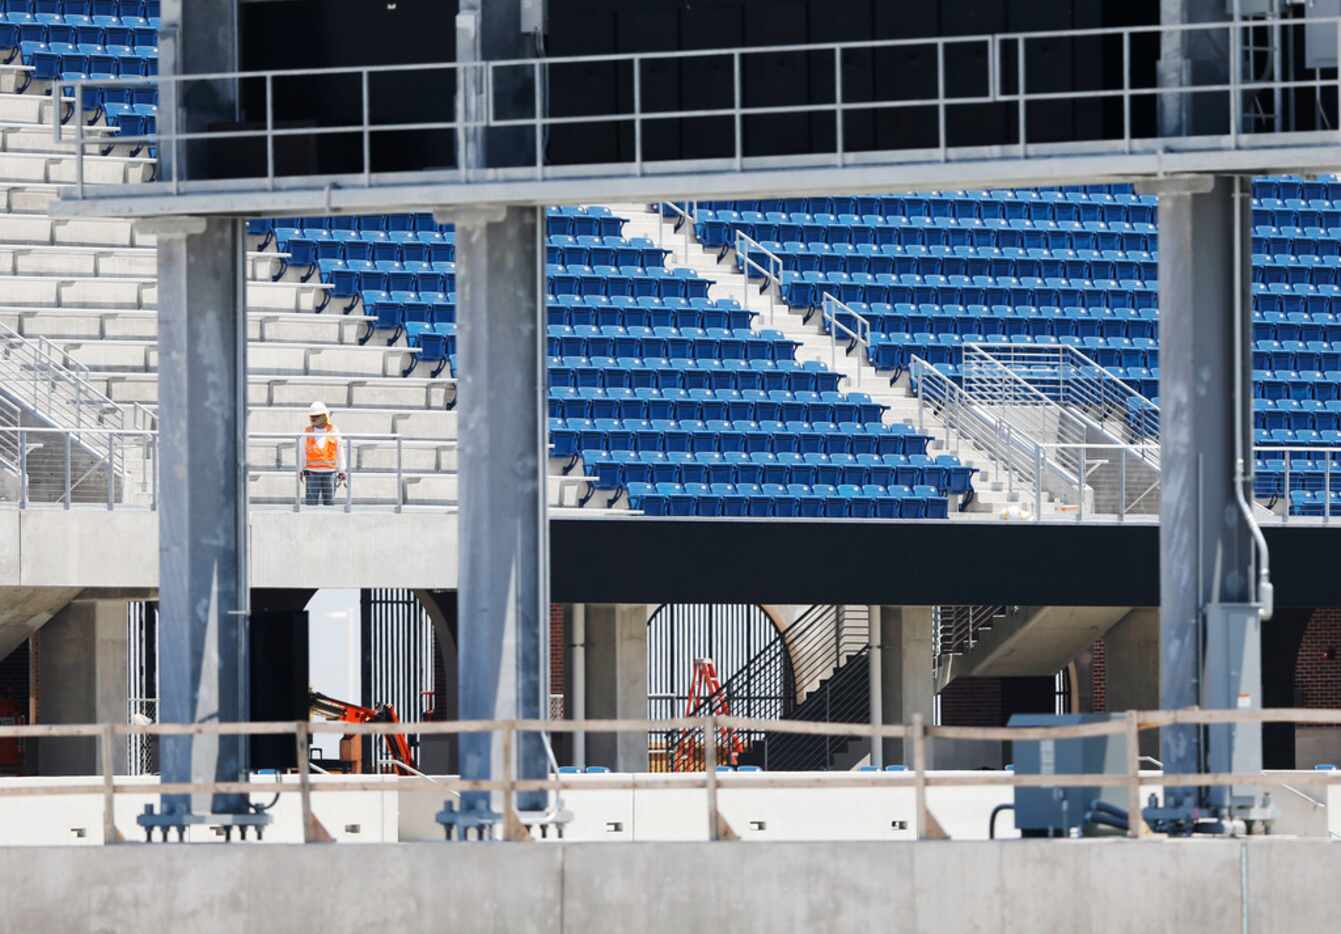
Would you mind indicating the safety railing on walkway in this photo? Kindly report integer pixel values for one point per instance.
(53, 469)
(916, 734)
(987, 69)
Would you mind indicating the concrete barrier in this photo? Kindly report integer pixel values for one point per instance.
(1079, 887)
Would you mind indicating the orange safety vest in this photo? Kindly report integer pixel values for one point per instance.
(321, 449)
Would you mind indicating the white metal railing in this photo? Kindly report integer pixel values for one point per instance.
(989, 69)
(771, 273)
(859, 338)
(1026, 464)
(382, 472)
(38, 375)
(684, 226)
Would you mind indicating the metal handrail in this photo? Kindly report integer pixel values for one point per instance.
(687, 222)
(992, 49)
(772, 279)
(861, 338)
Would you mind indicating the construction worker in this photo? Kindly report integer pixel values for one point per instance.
(321, 456)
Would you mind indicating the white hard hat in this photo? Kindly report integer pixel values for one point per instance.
(317, 408)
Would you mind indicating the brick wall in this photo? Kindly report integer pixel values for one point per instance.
(1098, 678)
(558, 673)
(1318, 668)
(972, 702)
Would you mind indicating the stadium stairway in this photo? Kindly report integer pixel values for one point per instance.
(992, 497)
(89, 287)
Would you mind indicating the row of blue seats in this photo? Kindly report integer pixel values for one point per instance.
(1296, 326)
(567, 250)
(748, 405)
(631, 281)
(1296, 355)
(972, 205)
(719, 231)
(348, 280)
(795, 501)
(894, 258)
(670, 377)
(596, 220)
(965, 321)
(895, 351)
(807, 290)
(1297, 413)
(64, 62)
(1265, 440)
(614, 466)
(140, 11)
(83, 35)
(308, 245)
(1315, 504)
(685, 343)
(776, 437)
(894, 202)
(647, 311)
(1297, 241)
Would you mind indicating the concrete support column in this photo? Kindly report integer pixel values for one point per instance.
(1131, 669)
(616, 682)
(906, 681)
(82, 665)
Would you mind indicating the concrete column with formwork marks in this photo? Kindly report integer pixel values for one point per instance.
(81, 665)
(1131, 669)
(907, 686)
(616, 682)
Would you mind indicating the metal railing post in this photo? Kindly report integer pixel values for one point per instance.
(710, 773)
(153, 475)
(1122, 485)
(111, 472)
(301, 748)
(400, 481)
(23, 469)
(1038, 483)
(1286, 493)
(270, 127)
(298, 473)
(1327, 493)
(637, 115)
(921, 401)
(740, 132)
(838, 103)
(367, 128)
(1023, 106)
(66, 492)
(349, 475)
(107, 751)
(539, 106)
(1080, 488)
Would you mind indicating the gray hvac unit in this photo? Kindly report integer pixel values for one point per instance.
(1052, 812)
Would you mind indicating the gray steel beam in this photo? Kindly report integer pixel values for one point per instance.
(202, 342)
(504, 561)
(1206, 549)
(202, 502)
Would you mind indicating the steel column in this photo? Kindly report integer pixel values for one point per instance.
(1206, 551)
(202, 341)
(202, 513)
(504, 588)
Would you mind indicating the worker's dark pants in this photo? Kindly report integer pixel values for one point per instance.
(320, 488)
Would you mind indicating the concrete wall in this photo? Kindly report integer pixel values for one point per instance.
(616, 675)
(82, 657)
(91, 548)
(1080, 887)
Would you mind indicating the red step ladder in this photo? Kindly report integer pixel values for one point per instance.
(706, 688)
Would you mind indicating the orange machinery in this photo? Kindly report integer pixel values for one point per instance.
(351, 745)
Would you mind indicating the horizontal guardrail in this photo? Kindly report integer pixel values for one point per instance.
(917, 732)
(998, 74)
